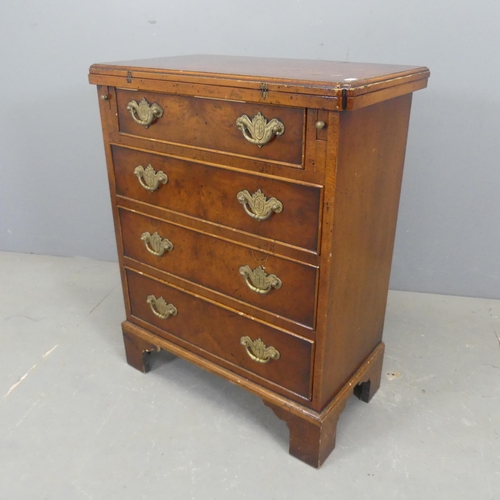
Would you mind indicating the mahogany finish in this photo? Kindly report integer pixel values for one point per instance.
(214, 263)
(137, 351)
(371, 151)
(311, 342)
(211, 124)
(215, 332)
(328, 79)
(210, 193)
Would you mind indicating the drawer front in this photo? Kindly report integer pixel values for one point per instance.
(223, 333)
(289, 213)
(212, 124)
(283, 287)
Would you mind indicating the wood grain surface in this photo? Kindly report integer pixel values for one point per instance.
(217, 331)
(211, 124)
(214, 263)
(210, 194)
(337, 170)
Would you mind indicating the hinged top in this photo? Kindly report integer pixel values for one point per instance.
(325, 78)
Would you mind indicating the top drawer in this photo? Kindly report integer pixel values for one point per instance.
(272, 133)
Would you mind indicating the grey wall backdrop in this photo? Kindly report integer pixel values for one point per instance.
(53, 188)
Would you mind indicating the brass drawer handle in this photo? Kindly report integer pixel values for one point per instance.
(261, 208)
(155, 244)
(161, 308)
(259, 281)
(149, 178)
(258, 130)
(258, 351)
(144, 113)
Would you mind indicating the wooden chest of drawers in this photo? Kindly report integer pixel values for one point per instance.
(255, 205)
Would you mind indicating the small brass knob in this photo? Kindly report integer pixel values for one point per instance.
(320, 125)
(104, 97)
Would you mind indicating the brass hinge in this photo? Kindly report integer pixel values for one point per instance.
(129, 76)
(344, 99)
(263, 90)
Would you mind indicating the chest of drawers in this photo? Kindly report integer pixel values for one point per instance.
(255, 205)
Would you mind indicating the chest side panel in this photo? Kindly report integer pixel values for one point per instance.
(369, 171)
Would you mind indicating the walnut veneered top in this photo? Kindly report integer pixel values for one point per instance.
(326, 78)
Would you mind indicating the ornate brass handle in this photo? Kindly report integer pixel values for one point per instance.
(259, 281)
(161, 308)
(144, 113)
(155, 244)
(258, 351)
(258, 130)
(261, 208)
(149, 178)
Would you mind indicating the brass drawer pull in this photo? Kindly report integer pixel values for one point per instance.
(259, 281)
(258, 130)
(149, 178)
(258, 351)
(155, 244)
(161, 308)
(261, 208)
(144, 113)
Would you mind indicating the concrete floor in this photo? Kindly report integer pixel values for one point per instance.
(76, 422)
